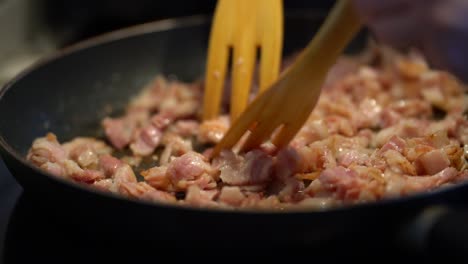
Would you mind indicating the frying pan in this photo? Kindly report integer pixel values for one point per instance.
(69, 93)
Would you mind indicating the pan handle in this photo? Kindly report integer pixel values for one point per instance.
(439, 232)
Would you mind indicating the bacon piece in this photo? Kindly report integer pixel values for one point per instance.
(344, 183)
(185, 128)
(86, 151)
(46, 149)
(116, 169)
(312, 131)
(151, 95)
(73, 170)
(367, 114)
(292, 191)
(398, 163)
(200, 198)
(433, 161)
(212, 131)
(142, 190)
(53, 168)
(231, 195)
(288, 162)
(157, 177)
(317, 156)
(109, 164)
(106, 185)
(411, 108)
(162, 120)
(346, 157)
(254, 168)
(120, 130)
(147, 141)
(191, 169)
(394, 143)
(398, 185)
(124, 173)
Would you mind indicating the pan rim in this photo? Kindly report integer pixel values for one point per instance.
(164, 25)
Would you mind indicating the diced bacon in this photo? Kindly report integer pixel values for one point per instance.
(158, 196)
(346, 157)
(162, 120)
(157, 177)
(462, 176)
(398, 184)
(389, 117)
(344, 183)
(407, 128)
(181, 106)
(375, 133)
(134, 189)
(185, 128)
(190, 169)
(288, 162)
(109, 164)
(368, 114)
(142, 190)
(340, 125)
(398, 163)
(73, 170)
(231, 195)
(212, 131)
(438, 139)
(311, 131)
(147, 141)
(151, 95)
(53, 168)
(317, 156)
(342, 67)
(86, 151)
(178, 145)
(268, 203)
(433, 161)
(116, 169)
(292, 191)
(106, 185)
(256, 167)
(454, 154)
(124, 173)
(120, 130)
(412, 108)
(46, 149)
(198, 197)
(394, 143)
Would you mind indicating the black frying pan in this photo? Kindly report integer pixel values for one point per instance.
(68, 94)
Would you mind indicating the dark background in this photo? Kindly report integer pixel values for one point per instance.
(74, 20)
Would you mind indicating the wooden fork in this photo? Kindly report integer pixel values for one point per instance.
(244, 26)
(286, 105)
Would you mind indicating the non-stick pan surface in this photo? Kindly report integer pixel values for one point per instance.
(69, 93)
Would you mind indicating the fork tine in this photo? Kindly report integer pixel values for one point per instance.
(241, 125)
(270, 15)
(220, 35)
(286, 134)
(261, 132)
(243, 58)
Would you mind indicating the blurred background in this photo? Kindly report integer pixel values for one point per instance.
(32, 29)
